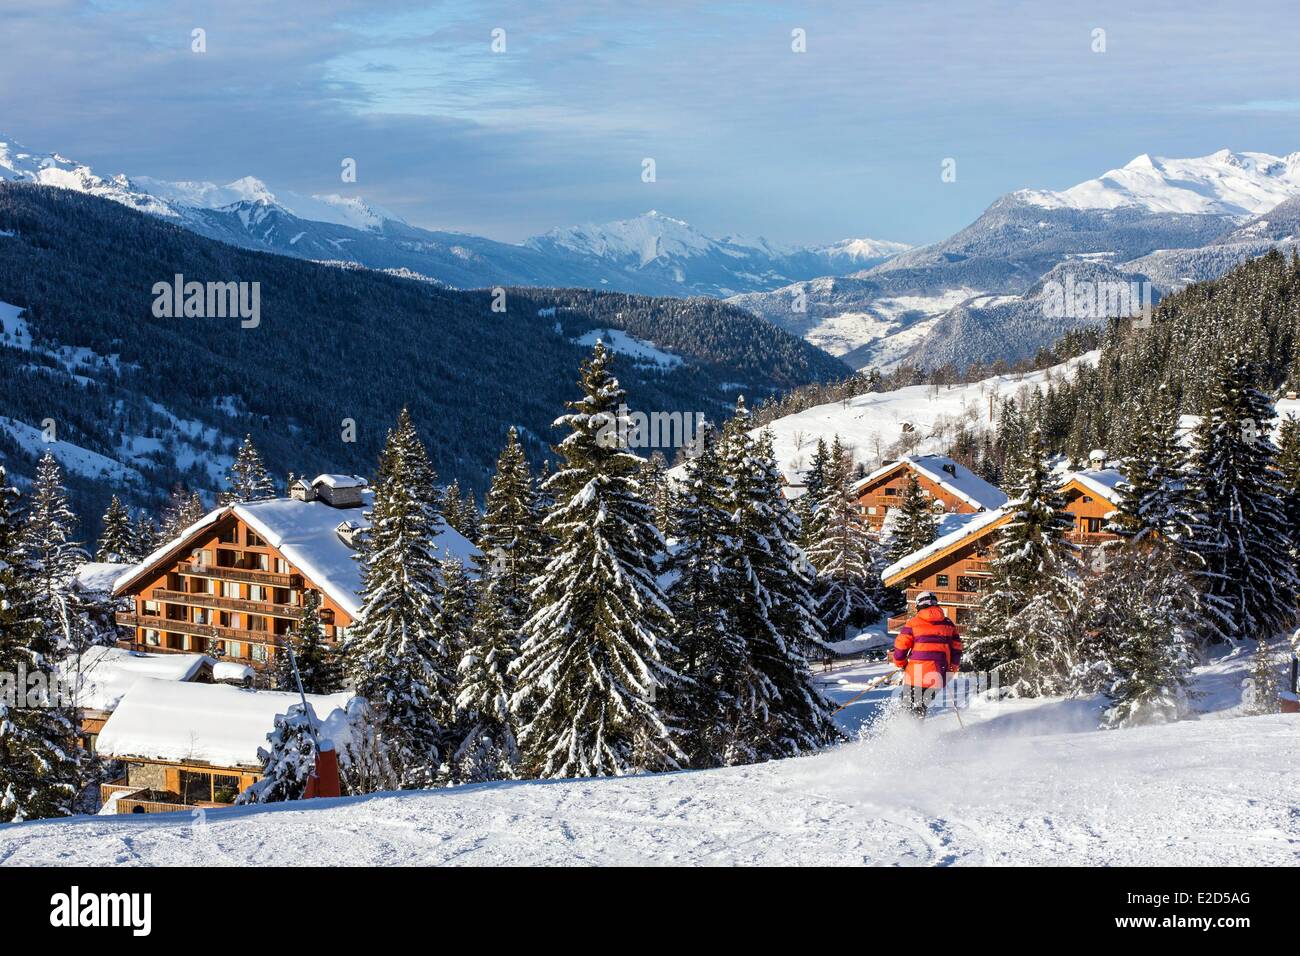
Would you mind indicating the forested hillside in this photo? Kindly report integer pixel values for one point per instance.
(165, 399)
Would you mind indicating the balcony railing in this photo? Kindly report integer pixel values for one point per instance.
(216, 631)
(949, 598)
(199, 599)
(246, 575)
(1092, 539)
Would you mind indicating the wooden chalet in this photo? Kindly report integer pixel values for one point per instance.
(187, 745)
(956, 566)
(231, 586)
(953, 488)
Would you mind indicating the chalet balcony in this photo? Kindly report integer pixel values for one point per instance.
(135, 799)
(244, 575)
(947, 598)
(215, 631)
(1091, 539)
(199, 599)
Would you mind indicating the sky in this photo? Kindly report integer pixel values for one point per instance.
(846, 139)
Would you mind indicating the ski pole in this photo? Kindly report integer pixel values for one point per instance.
(872, 685)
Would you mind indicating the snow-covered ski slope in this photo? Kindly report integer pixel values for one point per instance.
(919, 419)
(1024, 783)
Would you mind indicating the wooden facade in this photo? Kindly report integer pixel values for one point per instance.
(225, 592)
(885, 488)
(159, 786)
(957, 574)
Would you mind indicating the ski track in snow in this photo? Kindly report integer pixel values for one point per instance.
(1026, 782)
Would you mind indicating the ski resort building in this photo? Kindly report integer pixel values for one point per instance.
(188, 745)
(231, 586)
(956, 565)
(954, 488)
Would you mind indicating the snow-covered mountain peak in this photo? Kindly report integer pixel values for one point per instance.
(20, 164)
(1222, 183)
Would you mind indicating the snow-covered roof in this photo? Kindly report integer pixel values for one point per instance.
(209, 723)
(960, 482)
(305, 533)
(963, 526)
(101, 575)
(339, 481)
(1101, 481)
(108, 673)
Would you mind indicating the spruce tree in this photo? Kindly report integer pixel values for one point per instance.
(183, 509)
(711, 651)
(658, 490)
(773, 605)
(290, 760)
(510, 538)
(1240, 534)
(117, 543)
(247, 479)
(489, 749)
(1031, 553)
(145, 535)
(1288, 467)
(47, 549)
(916, 525)
(1152, 500)
(592, 663)
(393, 657)
(1143, 634)
(840, 550)
(318, 663)
(40, 762)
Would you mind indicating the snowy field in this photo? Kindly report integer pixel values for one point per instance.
(1023, 783)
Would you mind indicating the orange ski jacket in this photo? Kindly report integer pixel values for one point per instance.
(928, 648)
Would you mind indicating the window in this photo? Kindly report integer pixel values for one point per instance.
(1092, 525)
(340, 634)
(254, 540)
(871, 509)
(229, 589)
(260, 561)
(259, 653)
(234, 649)
(281, 566)
(151, 608)
(229, 534)
(152, 638)
(963, 614)
(257, 593)
(941, 580)
(967, 584)
(891, 491)
(224, 788)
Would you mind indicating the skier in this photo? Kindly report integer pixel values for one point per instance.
(927, 650)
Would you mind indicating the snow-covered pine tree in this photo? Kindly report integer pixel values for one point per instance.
(711, 651)
(773, 604)
(117, 540)
(1142, 644)
(319, 666)
(50, 557)
(393, 657)
(1240, 533)
(489, 748)
(1288, 467)
(1262, 689)
(40, 761)
(183, 508)
(289, 762)
(145, 536)
(455, 616)
(510, 534)
(658, 490)
(915, 525)
(247, 479)
(1031, 548)
(840, 550)
(805, 506)
(1152, 498)
(592, 662)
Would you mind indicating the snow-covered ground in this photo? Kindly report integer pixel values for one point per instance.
(1028, 782)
